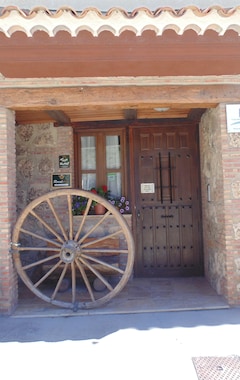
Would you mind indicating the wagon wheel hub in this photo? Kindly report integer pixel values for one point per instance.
(69, 251)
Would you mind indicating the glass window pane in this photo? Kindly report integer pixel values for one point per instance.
(114, 184)
(113, 156)
(88, 181)
(88, 152)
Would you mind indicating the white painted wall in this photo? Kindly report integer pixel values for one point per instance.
(129, 5)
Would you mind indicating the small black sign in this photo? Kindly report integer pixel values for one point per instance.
(64, 161)
(61, 180)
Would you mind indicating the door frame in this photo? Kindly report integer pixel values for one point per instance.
(161, 123)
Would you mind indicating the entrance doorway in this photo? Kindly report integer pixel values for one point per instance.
(167, 204)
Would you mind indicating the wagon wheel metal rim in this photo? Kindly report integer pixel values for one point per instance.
(68, 248)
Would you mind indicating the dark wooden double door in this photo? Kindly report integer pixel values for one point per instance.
(167, 203)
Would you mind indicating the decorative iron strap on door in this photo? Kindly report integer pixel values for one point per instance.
(166, 187)
(167, 202)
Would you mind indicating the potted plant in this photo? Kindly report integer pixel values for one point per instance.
(103, 192)
(122, 204)
(79, 204)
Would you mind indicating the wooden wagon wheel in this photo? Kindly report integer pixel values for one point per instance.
(51, 246)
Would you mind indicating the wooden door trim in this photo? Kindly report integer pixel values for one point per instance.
(133, 158)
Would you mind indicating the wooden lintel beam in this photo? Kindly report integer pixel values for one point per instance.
(205, 96)
(59, 116)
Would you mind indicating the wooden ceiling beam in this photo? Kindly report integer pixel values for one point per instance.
(205, 96)
(130, 114)
(59, 116)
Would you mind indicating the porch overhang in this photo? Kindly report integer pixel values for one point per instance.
(66, 101)
(66, 43)
(117, 20)
(117, 65)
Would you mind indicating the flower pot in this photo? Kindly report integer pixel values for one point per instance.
(99, 209)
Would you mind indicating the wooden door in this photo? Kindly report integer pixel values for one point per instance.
(167, 201)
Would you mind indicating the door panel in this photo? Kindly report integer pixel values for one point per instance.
(168, 228)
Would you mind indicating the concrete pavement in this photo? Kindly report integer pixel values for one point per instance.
(131, 346)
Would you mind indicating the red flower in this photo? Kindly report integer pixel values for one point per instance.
(104, 188)
(102, 191)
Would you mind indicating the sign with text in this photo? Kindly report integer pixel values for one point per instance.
(147, 188)
(233, 118)
(64, 161)
(61, 180)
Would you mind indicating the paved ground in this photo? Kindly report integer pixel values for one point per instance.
(146, 345)
(139, 295)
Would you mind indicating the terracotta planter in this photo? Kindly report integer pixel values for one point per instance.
(99, 209)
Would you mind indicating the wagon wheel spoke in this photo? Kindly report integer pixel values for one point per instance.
(70, 216)
(89, 203)
(30, 233)
(95, 227)
(73, 269)
(59, 281)
(43, 278)
(103, 263)
(52, 248)
(38, 249)
(50, 204)
(97, 274)
(103, 250)
(98, 240)
(48, 227)
(39, 262)
(85, 279)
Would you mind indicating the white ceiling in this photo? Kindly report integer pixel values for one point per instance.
(129, 5)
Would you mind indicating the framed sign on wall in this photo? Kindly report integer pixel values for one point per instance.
(61, 180)
(233, 118)
(64, 161)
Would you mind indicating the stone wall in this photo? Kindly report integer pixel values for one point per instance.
(231, 172)
(220, 170)
(38, 149)
(213, 200)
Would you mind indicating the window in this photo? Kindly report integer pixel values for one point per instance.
(100, 157)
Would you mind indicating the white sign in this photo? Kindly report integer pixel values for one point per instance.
(147, 188)
(233, 118)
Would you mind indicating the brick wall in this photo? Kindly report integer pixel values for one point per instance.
(8, 278)
(220, 169)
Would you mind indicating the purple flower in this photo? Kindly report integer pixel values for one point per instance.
(122, 204)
